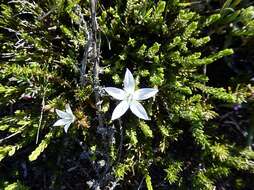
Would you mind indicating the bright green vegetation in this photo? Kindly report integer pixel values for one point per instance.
(166, 45)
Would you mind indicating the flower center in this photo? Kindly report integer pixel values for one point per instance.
(129, 98)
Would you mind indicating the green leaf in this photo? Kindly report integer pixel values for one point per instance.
(16, 186)
(133, 136)
(41, 147)
(148, 182)
(172, 171)
(146, 129)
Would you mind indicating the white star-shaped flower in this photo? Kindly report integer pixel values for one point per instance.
(67, 118)
(130, 98)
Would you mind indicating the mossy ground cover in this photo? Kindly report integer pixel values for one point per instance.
(197, 54)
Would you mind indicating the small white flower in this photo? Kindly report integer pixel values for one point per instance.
(130, 98)
(67, 118)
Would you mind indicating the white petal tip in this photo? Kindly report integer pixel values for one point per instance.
(120, 109)
(66, 127)
(129, 82)
(139, 110)
(114, 118)
(59, 122)
(116, 93)
(58, 112)
(144, 117)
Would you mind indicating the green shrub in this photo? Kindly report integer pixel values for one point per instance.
(47, 63)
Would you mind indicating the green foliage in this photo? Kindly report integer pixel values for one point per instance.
(34, 61)
(41, 147)
(122, 169)
(146, 129)
(173, 170)
(166, 45)
(132, 136)
(148, 182)
(15, 186)
(219, 151)
(169, 56)
(200, 181)
(246, 19)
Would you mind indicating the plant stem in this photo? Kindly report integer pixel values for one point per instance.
(84, 58)
(96, 60)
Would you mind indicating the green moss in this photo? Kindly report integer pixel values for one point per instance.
(166, 45)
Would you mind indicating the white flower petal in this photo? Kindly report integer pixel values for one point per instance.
(116, 93)
(120, 109)
(139, 110)
(129, 82)
(68, 109)
(66, 127)
(61, 122)
(73, 118)
(144, 93)
(62, 114)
